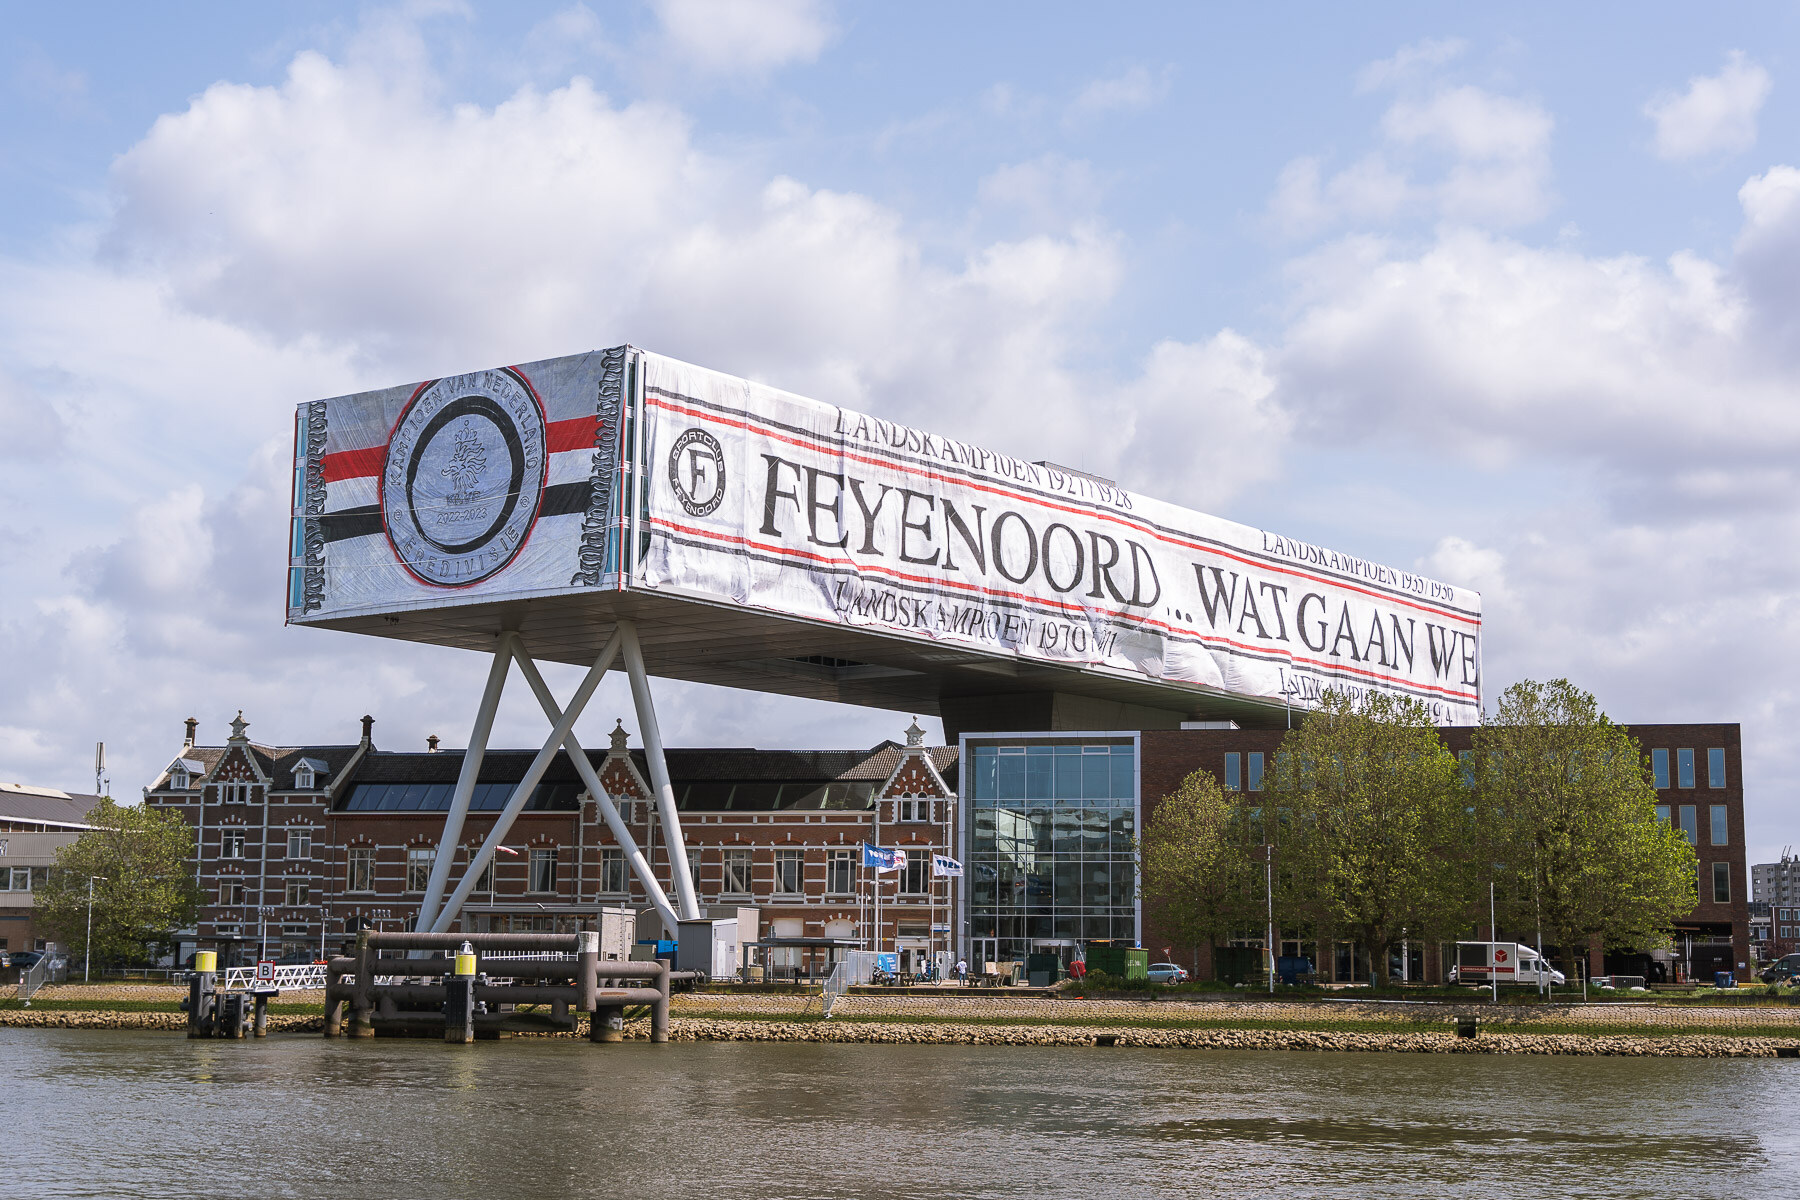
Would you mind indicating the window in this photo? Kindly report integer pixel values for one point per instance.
(362, 869)
(693, 857)
(179, 781)
(839, 871)
(1467, 759)
(612, 869)
(20, 880)
(1715, 767)
(419, 861)
(1689, 824)
(1684, 768)
(231, 892)
(737, 872)
(299, 843)
(1233, 771)
(486, 882)
(1721, 883)
(543, 869)
(231, 844)
(1662, 813)
(297, 891)
(234, 793)
(1659, 766)
(1256, 770)
(915, 810)
(915, 879)
(1721, 831)
(790, 868)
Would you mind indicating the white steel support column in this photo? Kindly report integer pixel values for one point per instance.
(465, 782)
(522, 793)
(676, 845)
(640, 866)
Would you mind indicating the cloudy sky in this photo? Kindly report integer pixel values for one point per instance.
(1508, 297)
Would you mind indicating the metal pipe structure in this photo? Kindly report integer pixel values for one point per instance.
(640, 865)
(522, 793)
(673, 841)
(465, 780)
(431, 995)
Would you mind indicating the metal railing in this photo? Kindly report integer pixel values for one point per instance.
(44, 970)
(288, 978)
(856, 966)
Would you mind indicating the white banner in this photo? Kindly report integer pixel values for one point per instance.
(765, 499)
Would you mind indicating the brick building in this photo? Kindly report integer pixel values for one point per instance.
(1698, 774)
(299, 845)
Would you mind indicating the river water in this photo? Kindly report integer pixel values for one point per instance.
(89, 1113)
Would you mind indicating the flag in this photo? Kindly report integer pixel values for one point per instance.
(883, 859)
(944, 866)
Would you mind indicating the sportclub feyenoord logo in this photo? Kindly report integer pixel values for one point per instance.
(464, 477)
(697, 472)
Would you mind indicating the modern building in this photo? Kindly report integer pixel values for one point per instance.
(299, 846)
(1698, 775)
(1777, 882)
(35, 823)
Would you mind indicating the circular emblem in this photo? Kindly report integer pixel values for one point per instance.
(464, 477)
(697, 472)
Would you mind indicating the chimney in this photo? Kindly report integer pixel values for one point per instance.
(368, 729)
(193, 731)
(431, 744)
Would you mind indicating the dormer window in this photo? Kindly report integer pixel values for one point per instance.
(303, 779)
(307, 772)
(178, 780)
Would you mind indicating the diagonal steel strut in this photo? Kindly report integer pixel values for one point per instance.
(465, 781)
(640, 866)
(659, 773)
(522, 793)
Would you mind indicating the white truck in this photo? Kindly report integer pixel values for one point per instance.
(1505, 962)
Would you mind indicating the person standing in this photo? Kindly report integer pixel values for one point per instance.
(962, 971)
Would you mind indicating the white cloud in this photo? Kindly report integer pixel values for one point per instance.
(1131, 90)
(1049, 191)
(745, 37)
(1417, 58)
(1716, 115)
(348, 226)
(1462, 154)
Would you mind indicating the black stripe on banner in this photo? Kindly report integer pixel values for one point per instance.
(560, 500)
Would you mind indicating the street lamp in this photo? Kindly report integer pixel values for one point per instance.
(87, 949)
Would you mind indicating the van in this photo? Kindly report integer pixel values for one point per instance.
(1503, 962)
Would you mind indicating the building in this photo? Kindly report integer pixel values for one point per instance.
(1698, 774)
(1776, 882)
(300, 846)
(34, 824)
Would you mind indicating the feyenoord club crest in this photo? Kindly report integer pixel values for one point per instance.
(464, 476)
(697, 472)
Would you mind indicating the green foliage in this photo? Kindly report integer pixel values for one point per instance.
(144, 886)
(1198, 873)
(1570, 831)
(1374, 840)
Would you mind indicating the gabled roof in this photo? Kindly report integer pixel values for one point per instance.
(22, 802)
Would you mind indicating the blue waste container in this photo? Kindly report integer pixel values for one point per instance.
(1723, 979)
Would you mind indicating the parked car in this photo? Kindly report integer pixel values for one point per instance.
(24, 960)
(1783, 970)
(1167, 973)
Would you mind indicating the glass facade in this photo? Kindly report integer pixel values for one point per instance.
(1049, 855)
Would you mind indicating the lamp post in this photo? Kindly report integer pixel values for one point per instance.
(87, 949)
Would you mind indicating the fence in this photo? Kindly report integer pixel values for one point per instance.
(856, 966)
(49, 969)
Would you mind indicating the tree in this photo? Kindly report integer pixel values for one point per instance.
(1569, 813)
(1372, 845)
(139, 859)
(1197, 872)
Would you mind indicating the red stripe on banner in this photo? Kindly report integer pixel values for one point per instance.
(1101, 514)
(576, 433)
(1075, 609)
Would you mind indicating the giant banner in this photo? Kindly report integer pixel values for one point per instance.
(767, 500)
(456, 490)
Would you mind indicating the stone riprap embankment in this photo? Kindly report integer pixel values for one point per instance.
(997, 1019)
